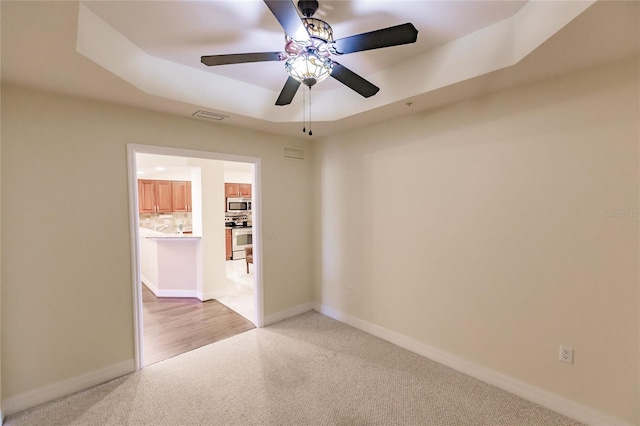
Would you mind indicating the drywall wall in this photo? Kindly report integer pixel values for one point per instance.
(66, 258)
(214, 279)
(237, 172)
(495, 230)
(1, 410)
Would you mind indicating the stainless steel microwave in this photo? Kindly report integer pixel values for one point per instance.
(238, 205)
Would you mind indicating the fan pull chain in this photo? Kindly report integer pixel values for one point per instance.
(304, 114)
(310, 132)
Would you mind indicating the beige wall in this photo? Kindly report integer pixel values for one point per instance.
(481, 229)
(212, 244)
(1, 399)
(501, 250)
(66, 258)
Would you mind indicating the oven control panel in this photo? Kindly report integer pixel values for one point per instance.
(231, 221)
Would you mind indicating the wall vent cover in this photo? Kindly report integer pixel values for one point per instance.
(296, 153)
(208, 115)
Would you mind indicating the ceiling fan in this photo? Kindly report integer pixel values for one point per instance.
(309, 45)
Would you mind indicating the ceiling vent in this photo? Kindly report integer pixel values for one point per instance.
(296, 153)
(208, 115)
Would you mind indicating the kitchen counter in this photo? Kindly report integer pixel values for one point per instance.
(171, 264)
(150, 233)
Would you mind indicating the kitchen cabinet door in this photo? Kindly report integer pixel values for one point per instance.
(237, 190)
(181, 195)
(244, 190)
(228, 243)
(189, 196)
(164, 200)
(146, 196)
(231, 190)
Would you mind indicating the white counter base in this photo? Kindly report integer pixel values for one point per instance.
(171, 266)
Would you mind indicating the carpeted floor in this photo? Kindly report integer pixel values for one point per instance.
(308, 370)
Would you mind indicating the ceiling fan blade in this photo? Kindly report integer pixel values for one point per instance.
(241, 58)
(386, 37)
(353, 81)
(287, 14)
(288, 91)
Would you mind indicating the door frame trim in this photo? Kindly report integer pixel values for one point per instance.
(256, 188)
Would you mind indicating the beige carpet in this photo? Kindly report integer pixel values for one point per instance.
(308, 370)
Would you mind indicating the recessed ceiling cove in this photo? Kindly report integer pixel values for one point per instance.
(158, 48)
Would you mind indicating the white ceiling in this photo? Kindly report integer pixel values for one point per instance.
(184, 31)
(464, 49)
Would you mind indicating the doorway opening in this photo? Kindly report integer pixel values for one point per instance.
(239, 238)
(177, 216)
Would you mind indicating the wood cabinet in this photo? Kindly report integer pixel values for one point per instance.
(228, 243)
(237, 190)
(146, 196)
(181, 196)
(244, 189)
(164, 196)
(231, 190)
(155, 196)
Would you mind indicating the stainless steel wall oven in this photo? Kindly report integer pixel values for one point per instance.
(240, 238)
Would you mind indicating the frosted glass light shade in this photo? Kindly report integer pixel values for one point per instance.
(309, 68)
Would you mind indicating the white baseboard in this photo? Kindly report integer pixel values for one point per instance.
(287, 313)
(181, 293)
(210, 295)
(547, 399)
(66, 387)
(150, 285)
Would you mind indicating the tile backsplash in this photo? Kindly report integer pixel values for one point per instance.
(166, 222)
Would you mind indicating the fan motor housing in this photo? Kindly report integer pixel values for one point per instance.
(308, 7)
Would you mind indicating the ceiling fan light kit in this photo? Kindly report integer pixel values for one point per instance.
(309, 61)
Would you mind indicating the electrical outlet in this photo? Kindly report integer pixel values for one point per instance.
(566, 354)
(350, 289)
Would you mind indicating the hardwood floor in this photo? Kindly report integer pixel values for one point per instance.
(173, 326)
